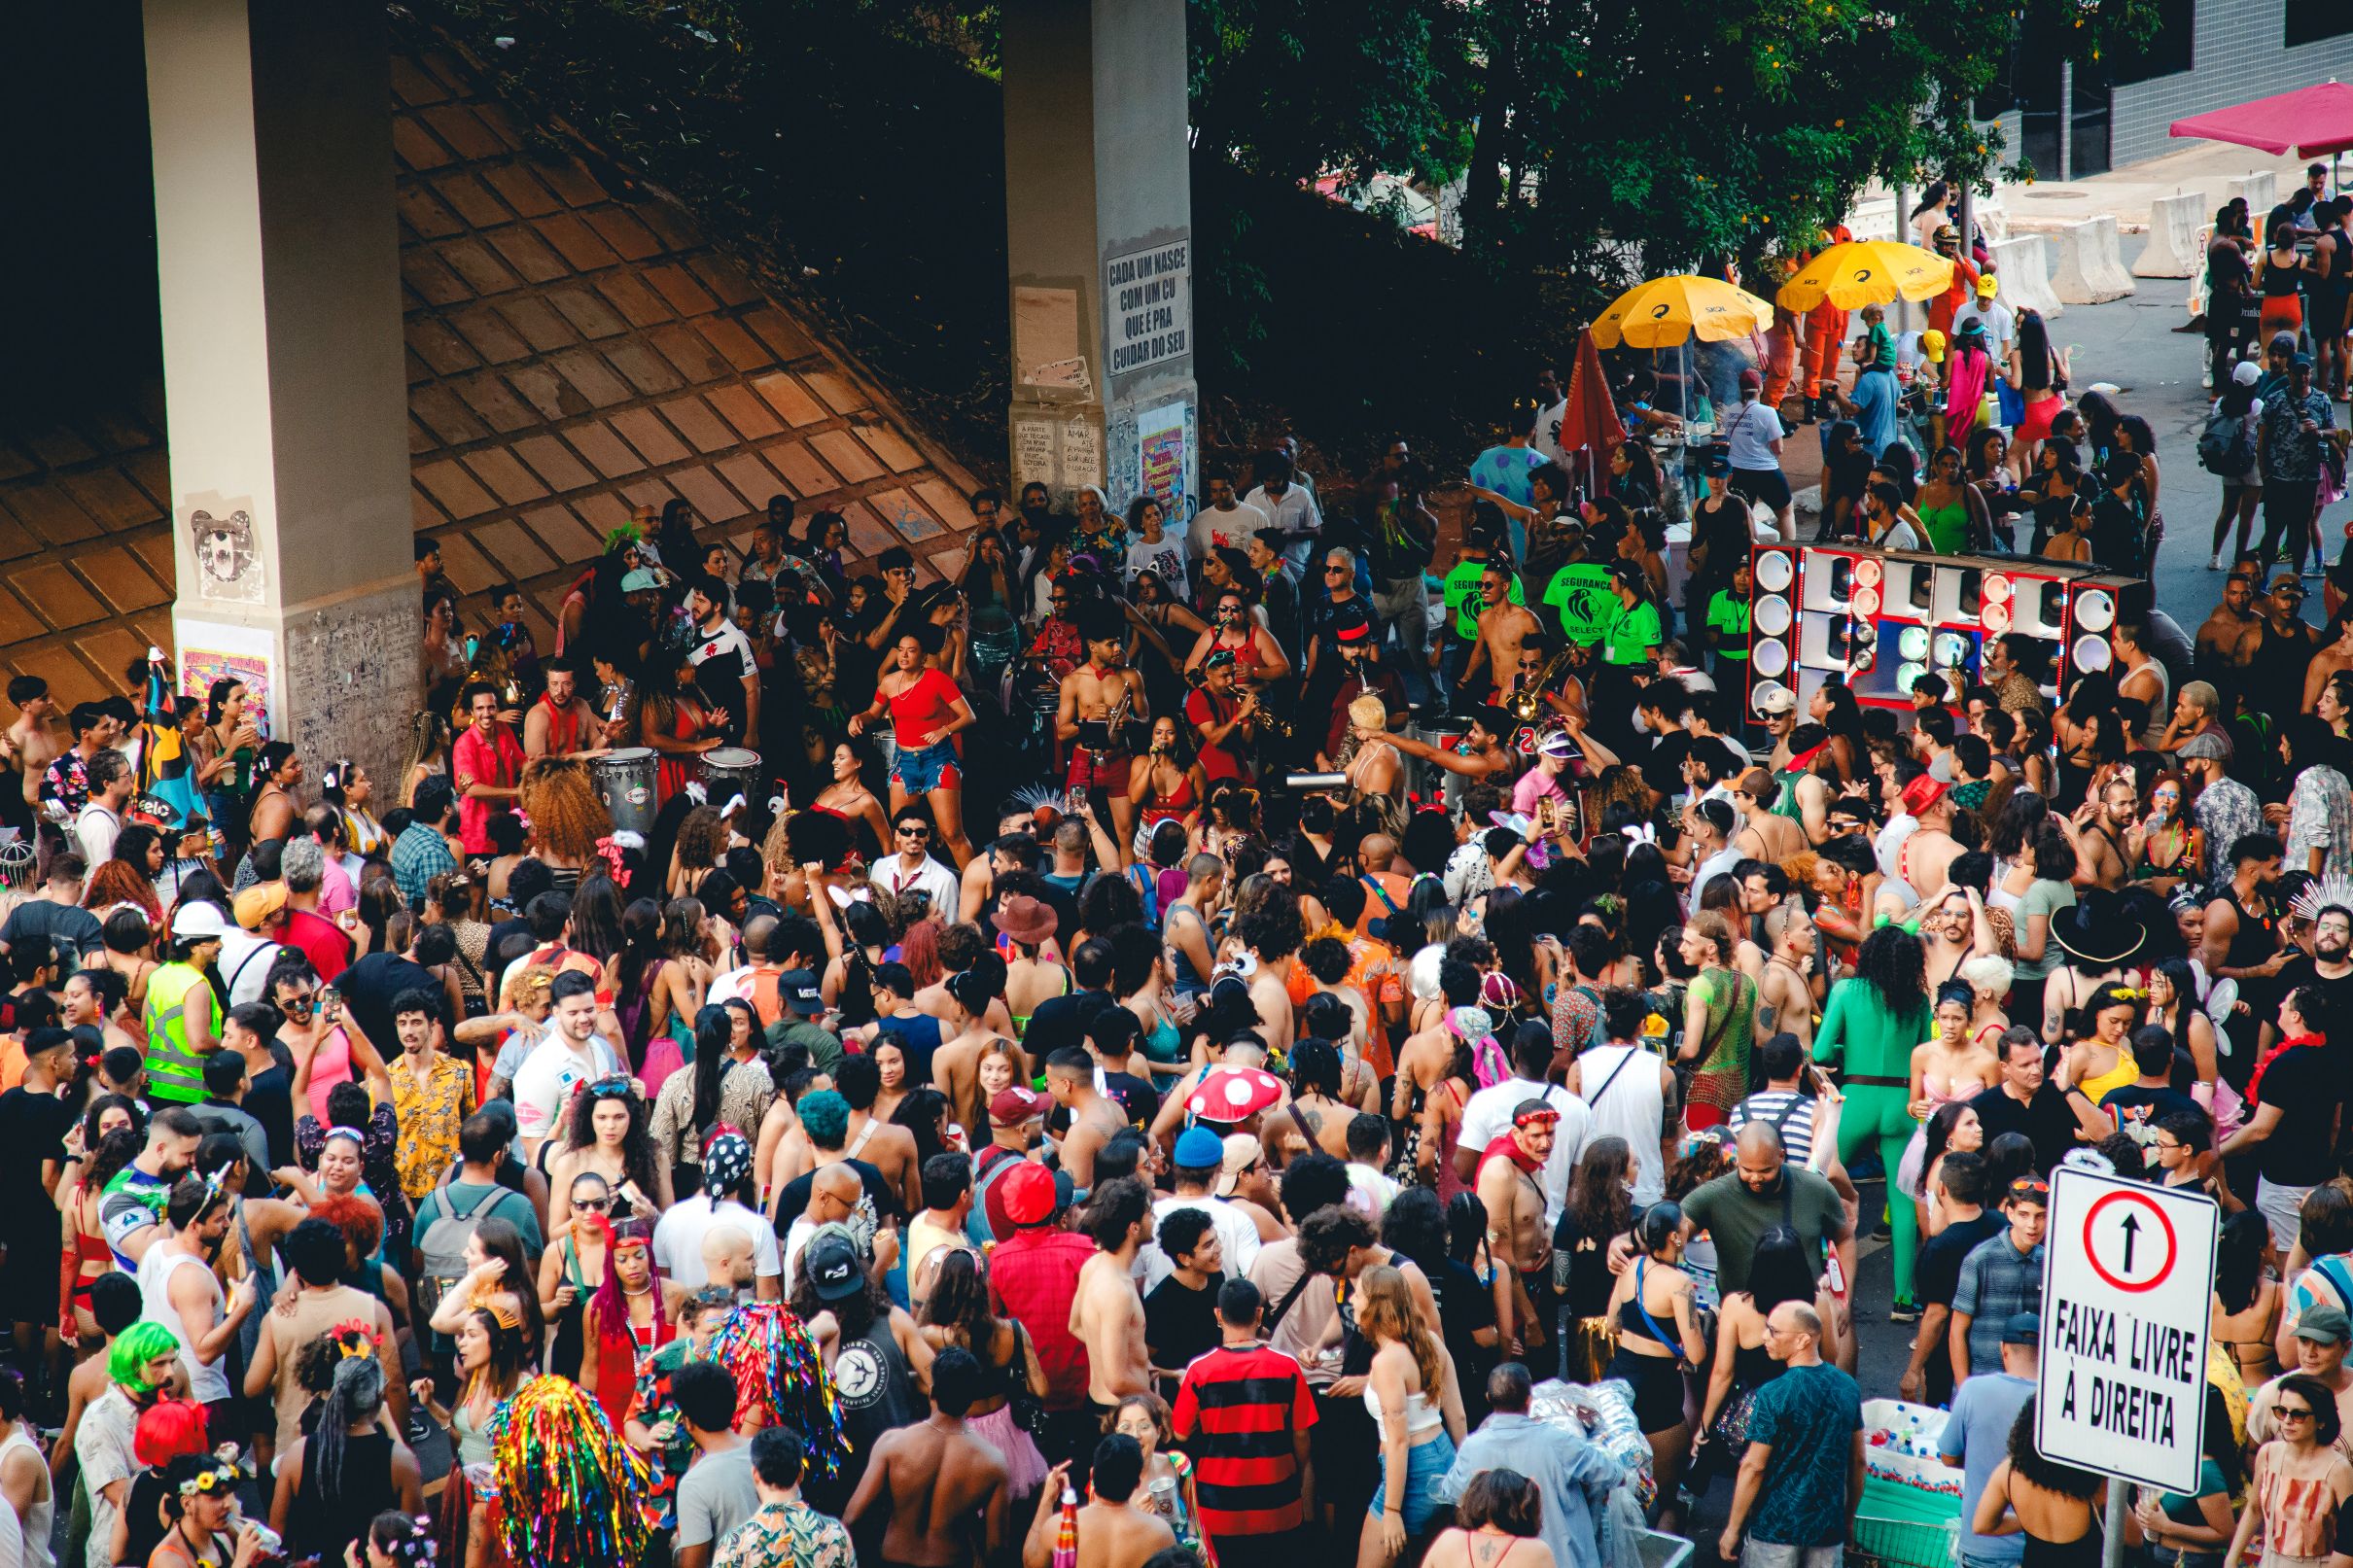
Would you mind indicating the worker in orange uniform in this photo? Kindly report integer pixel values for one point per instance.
(1825, 330)
(1964, 288)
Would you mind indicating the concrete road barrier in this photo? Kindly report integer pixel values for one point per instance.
(2262, 191)
(2173, 250)
(2023, 266)
(2086, 268)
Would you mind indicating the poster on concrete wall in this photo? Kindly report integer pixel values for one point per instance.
(1147, 301)
(211, 650)
(1032, 452)
(1047, 353)
(1160, 458)
(1081, 459)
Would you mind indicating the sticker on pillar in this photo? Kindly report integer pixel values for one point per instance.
(1034, 452)
(1160, 458)
(1046, 351)
(229, 561)
(1147, 301)
(211, 654)
(1081, 459)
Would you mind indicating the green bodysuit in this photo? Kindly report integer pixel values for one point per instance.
(1873, 1046)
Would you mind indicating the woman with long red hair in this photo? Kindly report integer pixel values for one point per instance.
(633, 1314)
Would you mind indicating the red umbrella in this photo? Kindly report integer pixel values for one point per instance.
(1590, 424)
(2312, 120)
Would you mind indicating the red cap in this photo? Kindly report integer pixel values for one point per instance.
(1028, 1193)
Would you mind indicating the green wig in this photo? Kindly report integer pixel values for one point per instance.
(133, 1348)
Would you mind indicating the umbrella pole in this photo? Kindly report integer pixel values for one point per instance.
(1903, 306)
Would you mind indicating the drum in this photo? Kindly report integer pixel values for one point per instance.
(730, 770)
(1433, 781)
(995, 639)
(624, 783)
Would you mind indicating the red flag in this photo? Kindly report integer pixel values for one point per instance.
(1590, 424)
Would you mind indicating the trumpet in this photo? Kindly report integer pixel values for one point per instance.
(1273, 724)
(1528, 703)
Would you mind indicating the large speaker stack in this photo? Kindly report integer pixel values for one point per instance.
(1881, 619)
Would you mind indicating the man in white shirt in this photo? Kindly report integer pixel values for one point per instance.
(913, 866)
(1200, 1161)
(1224, 521)
(732, 676)
(1488, 1116)
(677, 1236)
(1754, 432)
(571, 1054)
(100, 821)
(1710, 821)
(1287, 506)
(2000, 324)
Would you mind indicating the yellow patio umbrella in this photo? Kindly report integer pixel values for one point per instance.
(1666, 311)
(1866, 273)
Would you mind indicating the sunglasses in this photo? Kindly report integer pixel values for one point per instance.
(2290, 1412)
(616, 1083)
(915, 832)
(593, 1205)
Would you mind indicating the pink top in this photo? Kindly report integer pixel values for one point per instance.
(1534, 784)
(329, 1065)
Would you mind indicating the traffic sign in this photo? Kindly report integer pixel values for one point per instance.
(2127, 1277)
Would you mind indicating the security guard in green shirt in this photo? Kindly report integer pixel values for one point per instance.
(1728, 620)
(1629, 635)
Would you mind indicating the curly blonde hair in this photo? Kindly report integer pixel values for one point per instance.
(567, 817)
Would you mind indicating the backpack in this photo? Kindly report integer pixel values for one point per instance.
(2223, 448)
(443, 1246)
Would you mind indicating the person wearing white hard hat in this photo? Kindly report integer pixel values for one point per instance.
(183, 1014)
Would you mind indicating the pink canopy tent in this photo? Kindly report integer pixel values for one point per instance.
(2310, 121)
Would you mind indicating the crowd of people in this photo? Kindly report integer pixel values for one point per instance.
(1391, 975)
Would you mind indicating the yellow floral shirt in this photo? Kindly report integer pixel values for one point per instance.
(428, 1120)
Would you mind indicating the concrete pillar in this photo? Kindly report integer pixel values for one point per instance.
(1099, 223)
(286, 397)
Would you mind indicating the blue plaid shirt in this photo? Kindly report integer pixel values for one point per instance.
(1996, 1281)
(418, 856)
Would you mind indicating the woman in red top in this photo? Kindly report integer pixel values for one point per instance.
(680, 726)
(927, 708)
(633, 1314)
(1164, 781)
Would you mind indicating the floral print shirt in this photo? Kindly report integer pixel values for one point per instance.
(2319, 817)
(787, 1535)
(429, 1118)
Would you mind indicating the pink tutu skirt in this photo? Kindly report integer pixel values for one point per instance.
(1025, 1466)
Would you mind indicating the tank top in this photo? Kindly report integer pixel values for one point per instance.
(174, 1072)
(206, 1384)
(315, 1527)
(1946, 527)
(39, 1519)
(1625, 1101)
(1421, 1415)
(2280, 282)
(2278, 665)
(875, 1386)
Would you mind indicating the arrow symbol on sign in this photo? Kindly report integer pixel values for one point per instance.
(2130, 1225)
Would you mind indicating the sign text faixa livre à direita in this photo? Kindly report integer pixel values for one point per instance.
(2123, 1375)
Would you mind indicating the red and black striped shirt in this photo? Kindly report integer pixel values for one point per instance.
(1235, 1412)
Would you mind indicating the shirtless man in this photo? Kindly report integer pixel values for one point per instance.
(1516, 1232)
(1099, 753)
(979, 880)
(1480, 755)
(1273, 936)
(1106, 1314)
(940, 1490)
(2103, 832)
(956, 1064)
(1094, 1117)
(1112, 1532)
(2217, 641)
(1764, 835)
(889, 1149)
(1924, 862)
(1785, 992)
(32, 742)
(559, 723)
(1502, 627)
